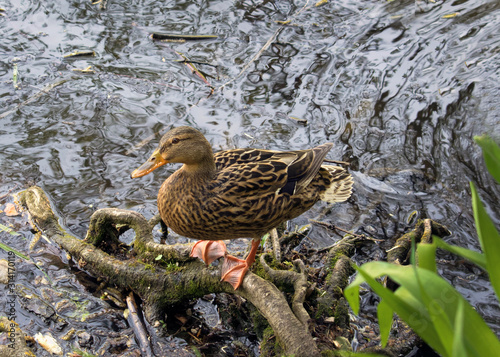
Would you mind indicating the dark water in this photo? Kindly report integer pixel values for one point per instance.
(397, 87)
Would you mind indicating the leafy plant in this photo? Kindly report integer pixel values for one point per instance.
(427, 302)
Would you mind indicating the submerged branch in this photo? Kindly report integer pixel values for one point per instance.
(423, 231)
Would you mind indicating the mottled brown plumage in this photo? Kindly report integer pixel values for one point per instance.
(238, 193)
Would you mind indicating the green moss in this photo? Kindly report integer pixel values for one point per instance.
(259, 322)
(341, 314)
(270, 345)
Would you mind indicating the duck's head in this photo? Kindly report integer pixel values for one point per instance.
(180, 145)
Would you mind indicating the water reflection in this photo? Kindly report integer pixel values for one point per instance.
(397, 88)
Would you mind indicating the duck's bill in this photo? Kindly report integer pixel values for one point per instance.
(154, 162)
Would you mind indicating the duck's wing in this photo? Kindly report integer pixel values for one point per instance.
(305, 167)
(253, 171)
(224, 159)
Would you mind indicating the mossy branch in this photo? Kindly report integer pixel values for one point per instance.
(157, 286)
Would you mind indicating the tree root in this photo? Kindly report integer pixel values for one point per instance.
(298, 279)
(160, 286)
(331, 300)
(423, 231)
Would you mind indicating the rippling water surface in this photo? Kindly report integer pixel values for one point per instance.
(399, 87)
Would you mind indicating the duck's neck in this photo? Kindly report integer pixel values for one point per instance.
(202, 170)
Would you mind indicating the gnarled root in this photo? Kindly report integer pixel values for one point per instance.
(160, 286)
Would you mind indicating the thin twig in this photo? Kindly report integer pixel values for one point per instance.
(335, 228)
(276, 244)
(44, 90)
(137, 325)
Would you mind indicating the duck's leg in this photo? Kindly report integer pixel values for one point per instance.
(234, 269)
(208, 250)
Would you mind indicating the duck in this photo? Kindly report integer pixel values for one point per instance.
(238, 193)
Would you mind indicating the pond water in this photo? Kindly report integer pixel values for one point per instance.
(399, 87)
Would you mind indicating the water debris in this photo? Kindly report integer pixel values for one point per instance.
(321, 2)
(10, 209)
(49, 343)
(8, 230)
(10, 249)
(471, 63)
(298, 120)
(80, 54)
(84, 70)
(449, 16)
(195, 70)
(2, 12)
(180, 38)
(14, 76)
(286, 22)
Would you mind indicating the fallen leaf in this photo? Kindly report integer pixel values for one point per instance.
(10, 209)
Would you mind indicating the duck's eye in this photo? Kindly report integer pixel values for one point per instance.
(175, 140)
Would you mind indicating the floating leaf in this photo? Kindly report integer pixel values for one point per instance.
(49, 343)
(10, 210)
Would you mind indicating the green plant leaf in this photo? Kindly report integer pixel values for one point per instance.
(489, 238)
(475, 257)
(440, 320)
(9, 230)
(458, 335)
(491, 154)
(403, 302)
(424, 298)
(427, 256)
(384, 315)
(16, 252)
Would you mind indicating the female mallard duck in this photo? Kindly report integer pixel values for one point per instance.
(238, 193)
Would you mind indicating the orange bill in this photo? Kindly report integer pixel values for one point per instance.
(154, 162)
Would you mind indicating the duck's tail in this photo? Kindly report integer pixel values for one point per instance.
(340, 188)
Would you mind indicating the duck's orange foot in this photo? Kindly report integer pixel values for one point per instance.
(208, 251)
(234, 270)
